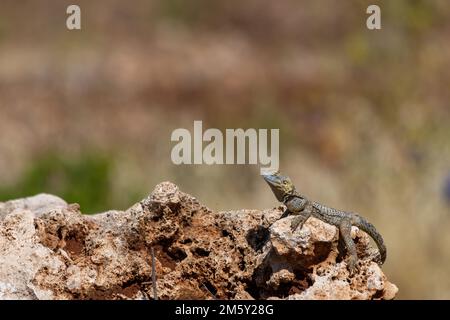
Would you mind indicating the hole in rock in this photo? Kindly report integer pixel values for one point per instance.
(258, 237)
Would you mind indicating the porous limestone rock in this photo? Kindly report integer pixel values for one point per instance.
(49, 250)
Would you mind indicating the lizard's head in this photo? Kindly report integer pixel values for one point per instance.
(280, 185)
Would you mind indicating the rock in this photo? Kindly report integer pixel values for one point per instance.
(49, 250)
(38, 204)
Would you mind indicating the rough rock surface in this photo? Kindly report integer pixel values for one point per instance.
(49, 250)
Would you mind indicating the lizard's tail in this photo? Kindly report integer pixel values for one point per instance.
(369, 228)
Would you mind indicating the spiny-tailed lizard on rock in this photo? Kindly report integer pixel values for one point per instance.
(297, 204)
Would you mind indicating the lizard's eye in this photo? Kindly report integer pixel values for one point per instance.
(285, 182)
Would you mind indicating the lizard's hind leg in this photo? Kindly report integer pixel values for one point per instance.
(345, 229)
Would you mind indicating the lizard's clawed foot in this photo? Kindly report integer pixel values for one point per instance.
(352, 264)
(296, 222)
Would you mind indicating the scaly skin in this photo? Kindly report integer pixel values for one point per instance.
(299, 205)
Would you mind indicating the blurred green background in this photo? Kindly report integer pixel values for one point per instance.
(364, 116)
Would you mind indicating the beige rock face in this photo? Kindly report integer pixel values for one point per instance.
(49, 250)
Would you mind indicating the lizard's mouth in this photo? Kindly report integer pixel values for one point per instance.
(272, 179)
(275, 183)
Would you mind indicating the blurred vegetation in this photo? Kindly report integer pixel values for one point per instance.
(85, 180)
(178, 10)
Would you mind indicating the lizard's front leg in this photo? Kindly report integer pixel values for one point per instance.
(285, 214)
(299, 220)
(345, 229)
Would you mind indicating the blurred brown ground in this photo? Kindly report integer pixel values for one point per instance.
(364, 116)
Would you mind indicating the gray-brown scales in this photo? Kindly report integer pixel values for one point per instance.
(297, 204)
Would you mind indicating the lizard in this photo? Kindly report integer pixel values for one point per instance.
(303, 208)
